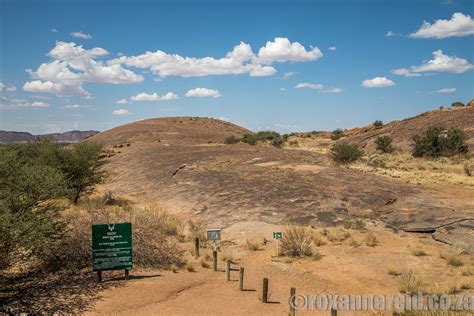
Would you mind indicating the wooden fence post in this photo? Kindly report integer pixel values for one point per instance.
(99, 276)
(292, 301)
(196, 246)
(241, 278)
(227, 270)
(214, 260)
(127, 274)
(333, 312)
(265, 291)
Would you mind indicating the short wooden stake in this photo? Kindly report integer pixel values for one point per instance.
(241, 278)
(333, 312)
(227, 270)
(292, 301)
(126, 274)
(196, 247)
(99, 276)
(265, 291)
(214, 260)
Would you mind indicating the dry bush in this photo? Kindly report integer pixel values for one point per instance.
(205, 264)
(408, 282)
(196, 230)
(418, 252)
(467, 272)
(352, 242)
(356, 224)
(468, 169)
(155, 236)
(338, 235)
(392, 270)
(296, 242)
(318, 240)
(371, 239)
(190, 267)
(253, 245)
(227, 255)
(452, 258)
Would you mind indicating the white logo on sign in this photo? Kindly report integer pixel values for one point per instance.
(111, 227)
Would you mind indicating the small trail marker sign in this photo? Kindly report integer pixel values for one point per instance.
(214, 234)
(277, 236)
(111, 247)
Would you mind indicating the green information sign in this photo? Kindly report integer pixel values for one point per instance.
(112, 246)
(277, 235)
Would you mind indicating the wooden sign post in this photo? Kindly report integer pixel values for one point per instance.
(214, 234)
(277, 236)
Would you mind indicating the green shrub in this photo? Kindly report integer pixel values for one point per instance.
(378, 123)
(454, 142)
(231, 140)
(337, 134)
(457, 104)
(345, 153)
(249, 139)
(274, 138)
(432, 144)
(384, 144)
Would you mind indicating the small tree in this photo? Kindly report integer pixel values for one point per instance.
(337, 134)
(378, 123)
(231, 140)
(384, 144)
(345, 153)
(427, 144)
(457, 104)
(454, 142)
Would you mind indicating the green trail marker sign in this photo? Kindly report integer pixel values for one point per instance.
(277, 236)
(112, 247)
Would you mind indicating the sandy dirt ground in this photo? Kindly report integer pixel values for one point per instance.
(342, 269)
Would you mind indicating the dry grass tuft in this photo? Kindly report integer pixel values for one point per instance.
(392, 270)
(190, 267)
(296, 242)
(453, 259)
(371, 239)
(338, 235)
(418, 252)
(253, 245)
(227, 255)
(205, 264)
(408, 282)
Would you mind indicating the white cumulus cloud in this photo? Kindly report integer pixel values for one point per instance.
(81, 35)
(459, 25)
(332, 48)
(240, 60)
(282, 50)
(121, 112)
(314, 86)
(446, 90)
(377, 82)
(203, 92)
(146, 97)
(317, 86)
(72, 65)
(121, 101)
(39, 104)
(440, 63)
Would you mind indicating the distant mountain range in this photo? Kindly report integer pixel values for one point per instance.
(7, 137)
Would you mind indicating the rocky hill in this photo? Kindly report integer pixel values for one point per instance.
(403, 131)
(8, 137)
(171, 130)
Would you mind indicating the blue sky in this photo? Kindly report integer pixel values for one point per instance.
(65, 64)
